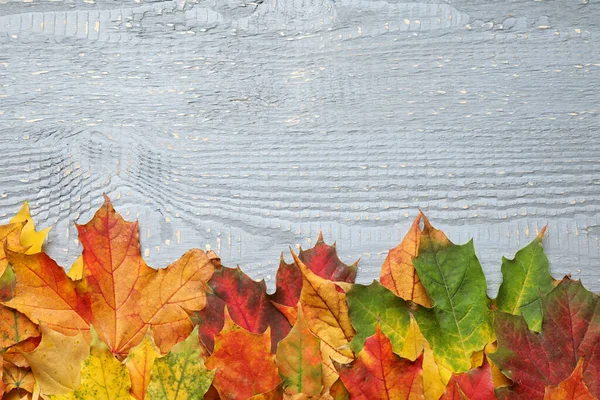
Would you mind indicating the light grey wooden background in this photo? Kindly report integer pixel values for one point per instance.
(246, 126)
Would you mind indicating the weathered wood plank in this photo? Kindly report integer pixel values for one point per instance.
(248, 127)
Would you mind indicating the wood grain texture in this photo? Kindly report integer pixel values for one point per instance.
(247, 126)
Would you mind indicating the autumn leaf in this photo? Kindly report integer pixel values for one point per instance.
(29, 238)
(288, 283)
(276, 394)
(570, 330)
(2, 385)
(7, 285)
(475, 384)
(290, 313)
(181, 374)
(44, 293)
(524, 278)
(326, 310)
(372, 305)
(15, 327)
(242, 362)
(380, 374)
(56, 362)
(103, 377)
(338, 391)
(398, 273)
(299, 360)
(322, 260)
(248, 305)
(14, 354)
(139, 363)
(498, 377)
(10, 240)
(17, 378)
(127, 296)
(331, 356)
(435, 377)
(460, 321)
(76, 270)
(573, 388)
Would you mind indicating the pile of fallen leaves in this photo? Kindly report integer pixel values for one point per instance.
(115, 328)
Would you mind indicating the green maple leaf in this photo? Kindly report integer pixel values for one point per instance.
(371, 304)
(460, 321)
(523, 278)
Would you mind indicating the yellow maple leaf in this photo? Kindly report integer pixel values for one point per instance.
(76, 271)
(139, 362)
(29, 236)
(435, 377)
(56, 362)
(103, 377)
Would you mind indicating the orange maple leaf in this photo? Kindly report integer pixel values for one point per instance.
(242, 361)
(127, 296)
(45, 293)
(398, 272)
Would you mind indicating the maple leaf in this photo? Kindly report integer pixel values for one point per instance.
(248, 305)
(475, 384)
(299, 360)
(10, 240)
(2, 384)
(44, 293)
(181, 374)
(18, 379)
(139, 363)
(14, 354)
(127, 296)
(378, 373)
(572, 388)
(398, 273)
(29, 237)
(56, 362)
(103, 377)
(331, 356)
(372, 305)
(415, 344)
(523, 278)
(322, 260)
(460, 321)
(242, 362)
(15, 327)
(570, 330)
(498, 377)
(277, 394)
(338, 391)
(325, 308)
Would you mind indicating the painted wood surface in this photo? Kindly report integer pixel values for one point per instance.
(248, 126)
